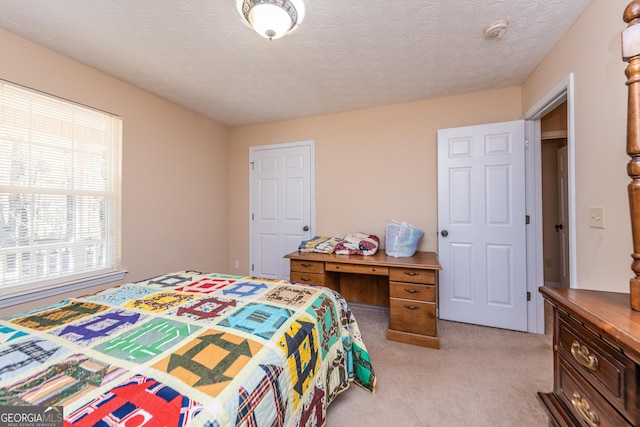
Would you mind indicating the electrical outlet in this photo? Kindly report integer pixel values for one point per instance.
(236, 264)
(596, 217)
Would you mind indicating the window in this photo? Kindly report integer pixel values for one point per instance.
(59, 195)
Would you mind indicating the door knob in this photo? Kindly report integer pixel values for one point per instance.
(444, 233)
(305, 228)
(558, 227)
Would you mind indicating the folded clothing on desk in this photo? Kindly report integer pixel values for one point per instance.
(325, 245)
(358, 244)
(352, 244)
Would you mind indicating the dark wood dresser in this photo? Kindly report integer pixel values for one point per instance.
(596, 350)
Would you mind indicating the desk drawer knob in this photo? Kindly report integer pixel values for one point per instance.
(581, 406)
(411, 307)
(581, 354)
(412, 291)
(411, 273)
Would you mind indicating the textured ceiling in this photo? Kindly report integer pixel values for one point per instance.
(345, 55)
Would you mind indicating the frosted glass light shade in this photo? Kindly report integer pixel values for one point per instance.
(271, 19)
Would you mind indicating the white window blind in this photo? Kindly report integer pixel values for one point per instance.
(59, 192)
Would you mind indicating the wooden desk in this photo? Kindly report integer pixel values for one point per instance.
(407, 285)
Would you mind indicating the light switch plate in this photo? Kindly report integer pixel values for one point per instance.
(596, 217)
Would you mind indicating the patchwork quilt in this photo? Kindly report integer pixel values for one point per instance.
(187, 348)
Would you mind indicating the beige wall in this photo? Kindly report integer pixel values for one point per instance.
(371, 165)
(591, 50)
(175, 178)
(184, 175)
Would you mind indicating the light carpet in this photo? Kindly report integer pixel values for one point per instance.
(480, 376)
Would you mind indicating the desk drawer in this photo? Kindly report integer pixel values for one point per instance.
(605, 368)
(412, 316)
(357, 268)
(583, 400)
(307, 266)
(410, 291)
(413, 275)
(309, 278)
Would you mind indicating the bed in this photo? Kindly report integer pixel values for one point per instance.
(187, 348)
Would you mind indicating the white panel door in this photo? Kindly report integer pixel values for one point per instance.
(281, 187)
(563, 209)
(481, 217)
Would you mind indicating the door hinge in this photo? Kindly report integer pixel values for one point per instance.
(253, 217)
(528, 296)
(527, 219)
(252, 267)
(252, 165)
(526, 143)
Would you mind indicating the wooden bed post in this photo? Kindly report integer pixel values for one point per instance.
(631, 54)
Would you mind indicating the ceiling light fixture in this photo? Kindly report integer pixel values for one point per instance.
(271, 19)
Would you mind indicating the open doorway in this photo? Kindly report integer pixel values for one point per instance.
(555, 203)
(555, 125)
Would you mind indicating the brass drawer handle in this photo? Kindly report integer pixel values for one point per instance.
(581, 406)
(305, 279)
(412, 307)
(305, 264)
(412, 291)
(411, 273)
(582, 356)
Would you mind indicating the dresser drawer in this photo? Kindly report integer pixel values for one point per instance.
(357, 268)
(309, 278)
(413, 275)
(605, 368)
(412, 316)
(583, 400)
(413, 292)
(307, 266)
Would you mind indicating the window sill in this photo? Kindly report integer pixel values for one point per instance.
(35, 294)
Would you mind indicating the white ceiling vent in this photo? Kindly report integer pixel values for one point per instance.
(495, 30)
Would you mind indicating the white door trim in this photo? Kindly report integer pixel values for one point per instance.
(535, 272)
(312, 196)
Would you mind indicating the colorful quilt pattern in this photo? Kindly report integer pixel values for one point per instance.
(187, 348)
